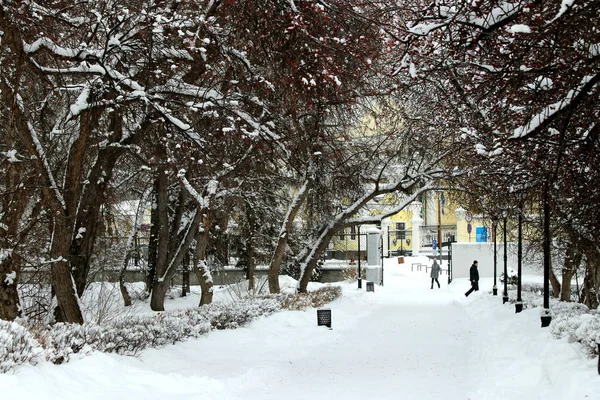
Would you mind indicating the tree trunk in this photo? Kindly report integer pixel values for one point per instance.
(293, 209)
(249, 253)
(162, 253)
(170, 258)
(572, 261)
(159, 292)
(185, 275)
(9, 296)
(92, 200)
(153, 240)
(591, 284)
(200, 267)
(11, 234)
(555, 285)
(313, 258)
(62, 280)
(123, 288)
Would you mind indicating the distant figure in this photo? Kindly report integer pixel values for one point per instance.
(474, 277)
(435, 273)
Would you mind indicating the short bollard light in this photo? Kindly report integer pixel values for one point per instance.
(324, 317)
(546, 318)
(370, 287)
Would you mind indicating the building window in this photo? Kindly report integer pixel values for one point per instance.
(352, 232)
(400, 231)
(342, 232)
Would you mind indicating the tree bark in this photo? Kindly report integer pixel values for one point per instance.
(158, 286)
(170, 252)
(54, 203)
(555, 285)
(62, 279)
(250, 244)
(313, 258)
(282, 241)
(591, 285)
(200, 267)
(9, 296)
(153, 240)
(93, 198)
(123, 288)
(13, 209)
(572, 261)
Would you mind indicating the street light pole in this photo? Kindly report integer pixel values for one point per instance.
(546, 317)
(519, 303)
(439, 193)
(505, 294)
(494, 225)
(359, 277)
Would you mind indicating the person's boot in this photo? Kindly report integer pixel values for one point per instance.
(439, 285)
(431, 287)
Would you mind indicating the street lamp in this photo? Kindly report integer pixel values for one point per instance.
(519, 303)
(359, 277)
(439, 210)
(505, 294)
(494, 226)
(546, 317)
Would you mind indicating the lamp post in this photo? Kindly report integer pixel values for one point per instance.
(439, 210)
(494, 225)
(359, 277)
(505, 294)
(546, 317)
(519, 303)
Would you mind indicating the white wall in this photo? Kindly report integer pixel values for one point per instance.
(463, 255)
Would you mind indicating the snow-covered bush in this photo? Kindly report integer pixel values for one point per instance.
(582, 328)
(512, 277)
(570, 320)
(317, 298)
(231, 316)
(17, 346)
(350, 274)
(132, 335)
(129, 336)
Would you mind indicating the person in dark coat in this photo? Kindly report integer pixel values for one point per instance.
(435, 273)
(474, 277)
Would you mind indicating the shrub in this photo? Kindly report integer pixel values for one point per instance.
(317, 298)
(581, 328)
(17, 346)
(350, 274)
(512, 277)
(61, 342)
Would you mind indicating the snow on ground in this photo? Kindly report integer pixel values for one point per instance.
(405, 341)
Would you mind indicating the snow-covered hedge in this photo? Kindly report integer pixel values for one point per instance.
(582, 328)
(570, 320)
(129, 337)
(316, 298)
(61, 342)
(17, 346)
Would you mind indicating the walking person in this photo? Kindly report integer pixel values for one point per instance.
(474, 277)
(435, 273)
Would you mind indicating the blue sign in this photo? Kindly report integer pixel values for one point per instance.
(434, 244)
(481, 234)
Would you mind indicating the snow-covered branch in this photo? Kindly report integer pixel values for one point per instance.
(584, 87)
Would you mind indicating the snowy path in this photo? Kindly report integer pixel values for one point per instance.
(403, 342)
